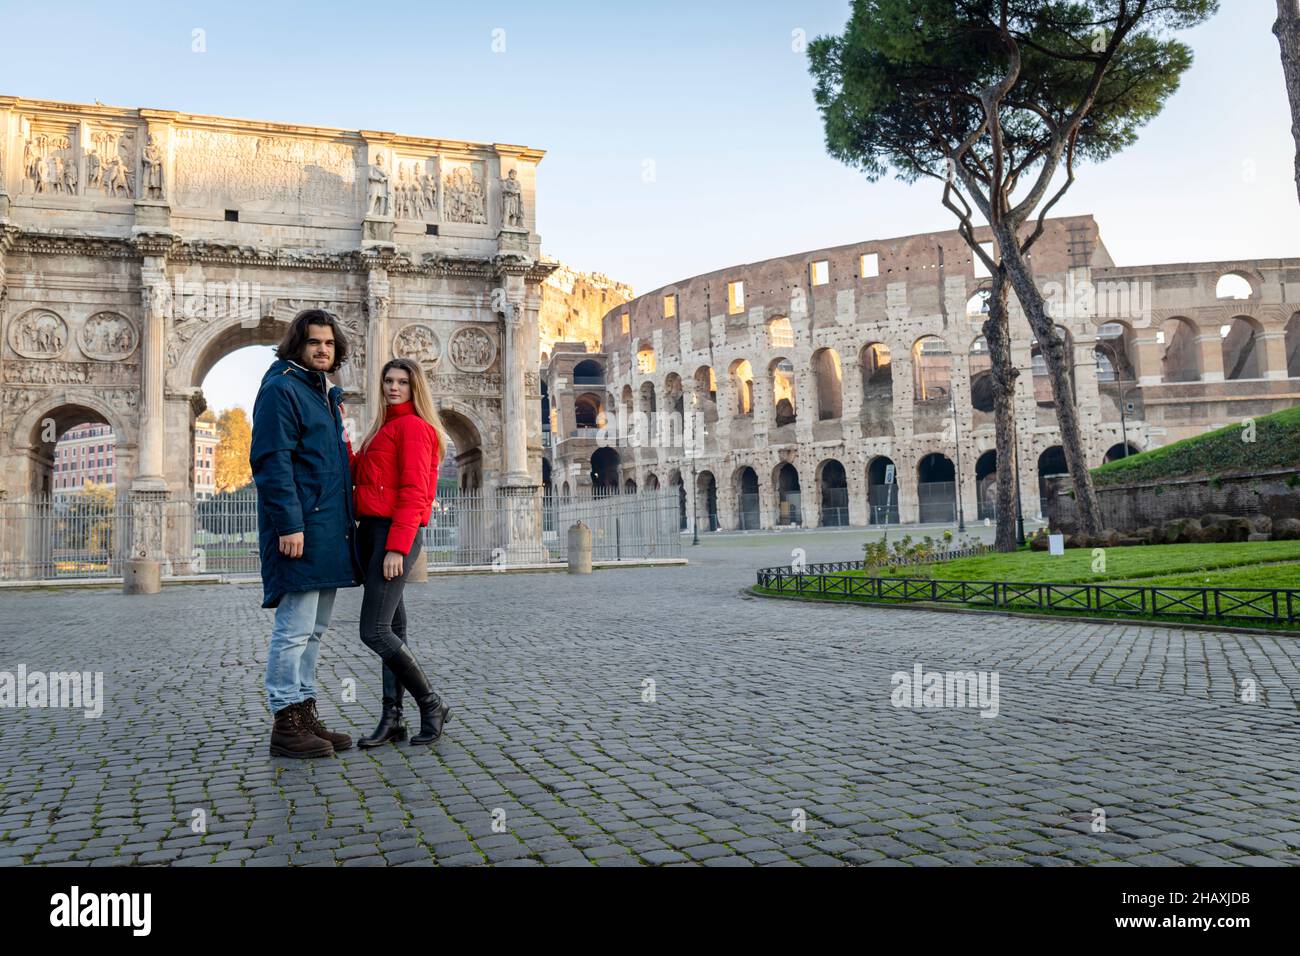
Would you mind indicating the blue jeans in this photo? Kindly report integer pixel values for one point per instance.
(300, 620)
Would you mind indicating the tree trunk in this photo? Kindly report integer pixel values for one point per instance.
(997, 334)
(1059, 369)
(1287, 30)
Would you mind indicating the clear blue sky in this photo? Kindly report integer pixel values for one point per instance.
(712, 93)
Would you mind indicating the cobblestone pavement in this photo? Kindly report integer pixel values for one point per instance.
(763, 710)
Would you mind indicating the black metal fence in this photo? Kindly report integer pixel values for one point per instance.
(1279, 605)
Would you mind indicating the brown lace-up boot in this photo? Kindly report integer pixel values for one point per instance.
(312, 722)
(291, 738)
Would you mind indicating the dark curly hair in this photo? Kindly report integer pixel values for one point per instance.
(295, 338)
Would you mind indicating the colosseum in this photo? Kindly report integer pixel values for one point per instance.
(849, 386)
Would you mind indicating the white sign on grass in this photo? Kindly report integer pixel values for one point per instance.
(1056, 543)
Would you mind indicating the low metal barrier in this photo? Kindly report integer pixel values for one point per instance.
(1279, 605)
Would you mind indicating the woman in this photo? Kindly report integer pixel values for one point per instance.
(395, 475)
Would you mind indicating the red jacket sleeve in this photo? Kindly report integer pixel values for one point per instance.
(415, 483)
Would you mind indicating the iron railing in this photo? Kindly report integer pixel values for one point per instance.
(83, 536)
(469, 528)
(64, 536)
(1278, 605)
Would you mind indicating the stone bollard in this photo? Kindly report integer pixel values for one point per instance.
(142, 576)
(420, 569)
(579, 549)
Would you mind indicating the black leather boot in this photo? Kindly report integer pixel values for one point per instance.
(433, 712)
(391, 726)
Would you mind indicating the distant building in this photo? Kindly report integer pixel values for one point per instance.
(85, 454)
(205, 459)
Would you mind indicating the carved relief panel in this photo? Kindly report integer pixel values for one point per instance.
(415, 189)
(108, 337)
(50, 161)
(472, 349)
(110, 162)
(464, 191)
(215, 169)
(418, 343)
(38, 334)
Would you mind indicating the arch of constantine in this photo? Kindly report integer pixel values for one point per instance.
(850, 385)
(138, 247)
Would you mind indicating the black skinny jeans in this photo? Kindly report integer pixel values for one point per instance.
(383, 614)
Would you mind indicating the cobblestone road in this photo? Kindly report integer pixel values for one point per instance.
(763, 710)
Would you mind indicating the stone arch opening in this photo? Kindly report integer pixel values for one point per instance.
(1051, 464)
(1234, 285)
(828, 380)
(986, 484)
(981, 376)
(673, 394)
(588, 372)
(834, 487)
(936, 489)
(747, 499)
(604, 471)
(706, 491)
(781, 372)
(882, 495)
(1115, 350)
(741, 376)
(102, 454)
(1180, 357)
(675, 481)
(1242, 356)
(587, 410)
(877, 412)
(786, 480)
(706, 393)
(465, 449)
(1118, 451)
(652, 482)
(931, 370)
(629, 486)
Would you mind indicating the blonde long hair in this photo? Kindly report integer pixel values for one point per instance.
(421, 400)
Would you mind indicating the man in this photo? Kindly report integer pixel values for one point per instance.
(299, 456)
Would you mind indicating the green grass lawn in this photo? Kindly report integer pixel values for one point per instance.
(1122, 564)
(1254, 564)
(1284, 575)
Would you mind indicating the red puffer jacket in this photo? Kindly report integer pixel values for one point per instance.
(396, 477)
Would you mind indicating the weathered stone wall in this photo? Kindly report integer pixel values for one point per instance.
(1126, 508)
(573, 307)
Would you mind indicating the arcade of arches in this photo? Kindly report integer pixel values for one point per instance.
(868, 398)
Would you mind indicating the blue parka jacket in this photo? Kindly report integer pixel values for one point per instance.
(299, 458)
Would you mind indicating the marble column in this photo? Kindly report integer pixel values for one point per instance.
(520, 527)
(378, 345)
(143, 573)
